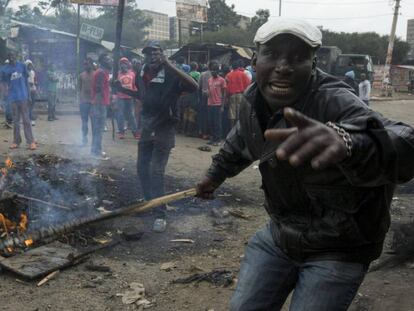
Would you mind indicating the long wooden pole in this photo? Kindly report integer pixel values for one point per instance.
(54, 231)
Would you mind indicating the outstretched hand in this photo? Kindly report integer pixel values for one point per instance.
(309, 141)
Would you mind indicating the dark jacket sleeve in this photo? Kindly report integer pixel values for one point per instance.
(232, 158)
(383, 150)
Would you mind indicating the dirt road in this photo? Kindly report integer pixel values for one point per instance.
(219, 240)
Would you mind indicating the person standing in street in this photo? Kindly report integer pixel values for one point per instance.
(237, 82)
(85, 97)
(159, 85)
(100, 101)
(350, 80)
(216, 97)
(364, 89)
(125, 103)
(15, 74)
(52, 84)
(32, 80)
(8, 124)
(202, 112)
(329, 166)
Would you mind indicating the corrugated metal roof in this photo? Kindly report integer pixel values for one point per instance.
(405, 67)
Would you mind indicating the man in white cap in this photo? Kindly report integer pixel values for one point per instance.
(329, 166)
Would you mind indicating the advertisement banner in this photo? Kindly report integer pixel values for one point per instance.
(192, 10)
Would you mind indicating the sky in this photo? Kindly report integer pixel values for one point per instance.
(336, 15)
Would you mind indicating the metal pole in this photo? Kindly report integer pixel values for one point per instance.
(78, 57)
(388, 60)
(180, 39)
(201, 33)
(280, 7)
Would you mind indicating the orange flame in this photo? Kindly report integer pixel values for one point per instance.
(9, 163)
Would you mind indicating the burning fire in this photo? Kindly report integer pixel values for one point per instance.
(7, 226)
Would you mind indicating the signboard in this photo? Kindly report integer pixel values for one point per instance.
(91, 33)
(96, 2)
(192, 10)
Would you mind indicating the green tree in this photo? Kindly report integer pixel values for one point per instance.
(261, 17)
(3, 6)
(220, 15)
(369, 43)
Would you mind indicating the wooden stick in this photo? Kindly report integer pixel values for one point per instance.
(21, 196)
(48, 277)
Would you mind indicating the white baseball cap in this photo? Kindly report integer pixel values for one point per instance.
(305, 31)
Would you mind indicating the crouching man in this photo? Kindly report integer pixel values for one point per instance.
(329, 167)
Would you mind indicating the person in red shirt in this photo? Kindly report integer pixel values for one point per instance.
(100, 101)
(237, 82)
(125, 102)
(216, 95)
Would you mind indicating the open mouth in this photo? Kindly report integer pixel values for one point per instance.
(281, 88)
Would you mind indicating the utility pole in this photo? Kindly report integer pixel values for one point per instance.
(118, 36)
(280, 7)
(388, 60)
(117, 50)
(78, 55)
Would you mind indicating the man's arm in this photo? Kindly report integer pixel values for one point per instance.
(186, 80)
(232, 158)
(381, 151)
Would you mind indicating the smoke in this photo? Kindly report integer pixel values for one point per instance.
(57, 181)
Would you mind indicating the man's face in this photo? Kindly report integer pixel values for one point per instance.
(215, 71)
(12, 58)
(283, 69)
(107, 62)
(88, 65)
(153, 57)
(124, 67)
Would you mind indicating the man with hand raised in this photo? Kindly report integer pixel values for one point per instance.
(329, 166)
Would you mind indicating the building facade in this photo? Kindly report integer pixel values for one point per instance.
(175, 30)
(410, 38)
(159, 28)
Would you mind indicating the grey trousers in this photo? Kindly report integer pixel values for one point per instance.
(20, 111)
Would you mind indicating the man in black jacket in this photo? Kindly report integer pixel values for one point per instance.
(159, 85)
(329, 166)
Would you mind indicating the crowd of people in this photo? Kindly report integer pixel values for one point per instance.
(329, 164)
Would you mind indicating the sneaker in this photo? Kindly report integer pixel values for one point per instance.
(33, 123)
(121, 136)
(33, 146)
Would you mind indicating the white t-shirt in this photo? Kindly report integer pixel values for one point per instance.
(31, 79)
(364, 90)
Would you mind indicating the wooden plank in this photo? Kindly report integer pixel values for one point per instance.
(41, 260)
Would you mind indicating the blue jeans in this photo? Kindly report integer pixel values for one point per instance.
(85, 111)
(214, 119)
(98, 113)
(7, 110)
(267, 276)
(125, 112)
